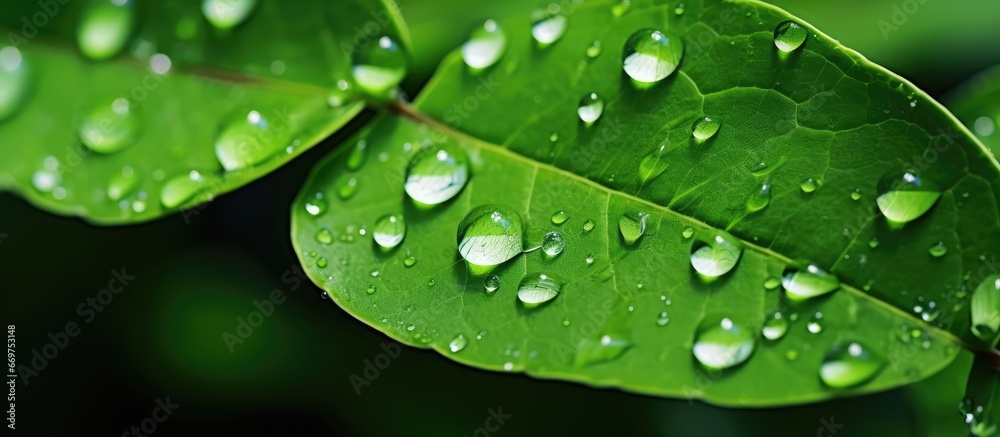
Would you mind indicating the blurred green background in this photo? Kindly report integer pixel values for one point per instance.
(163, 335)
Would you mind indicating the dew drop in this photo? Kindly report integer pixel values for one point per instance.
(607, 348)
(651, 55)
(379, 66)
(590, 109)
(903, 197)
(123, 184)
(389, 231)
(491, 283)
(536, 289)
(705, 128)
(436, 174)
(324, 236)
(760, 198)
(458, 343)
(15, 80)
(653, 165)
(688, 232)
(716, 254)
(771, 283)
(372, 289)
(181, 189)
(808, 283)
(226, 14)
(553, 244)
(250, 140)
(808, 185)
(856, 194)
(485, 46)
(589, 225)
(985, 307)
(632, 227)
(722, 344)
(938, 250)
(548, 28)
(358, 155)
(105, 27)
(109, 128)
(490, 235)
(559, 217)
(321, 263)
(775, 327)
(789, 36)
(814, 326)
(594, 50)
(663, 319)
(590, 259)
(316, 206)
(848, 364)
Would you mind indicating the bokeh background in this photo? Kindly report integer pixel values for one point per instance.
(162, 336)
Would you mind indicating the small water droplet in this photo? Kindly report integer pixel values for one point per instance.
(109, 128)
(250, 139)
(772, 282)
(679, 10)
(848, 364)
(589, 226)
(490, 235)
(760, 198)
(316, 206)
(324, 236)
(181, 189)
(985, 308)
(808, 185)
(321, 263)
(548, 28)
(591, 107)
(389, 231)
(607, 348)
(722, 344)
(688, 232)
(436, 174)
(379, 66)
(358, 155)
(559, 217)
(663, 319)
(226, 14)
(814, 326)
(15, 80)
(491, 283)
(485, 46)
(716, 254)
(856, 194)
(621, 8)
(536, 289)
(789, 36)
(808, 283)
(458, 343)
(905, 196)
(775, 327)
(553, 244)
(594, 50)
(372, 289)
(873, 243)
(651, 55)
(938, 250)
(653, 165)
(632, 227)
(590, 259)
(123, 184)
(553, 137)
(105, 27)
(705, 128)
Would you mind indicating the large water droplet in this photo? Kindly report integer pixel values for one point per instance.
(316, 206)
(182, 189)
(604, 349)
(548, 28)
(553, 244)
(250, 140)
(651, 55)
(491, 283)
(705, 128)
(109, 128)
(760, 198)
(848, 364)
(105, 27)
(389, 231)
(716, 254)
(986, 308)
(591, 107)
(436, 174)
(808, 283)
(123, 184)
(808, 185)
(458, 343)
(485, 46)
(789, 36)
(14, 81)
(490, 235)
(653, 165)
(536, 289)
(226, 14)
(775, 327)
(905, 196)
(379, 66)
(632, 227)
(559, 217)
(721, 344)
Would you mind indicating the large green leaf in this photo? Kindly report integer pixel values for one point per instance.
(283, 62)
(977, 104)
(820, 112)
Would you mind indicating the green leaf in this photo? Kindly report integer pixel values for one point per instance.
(262, 88)
(629, 307)
(980, 409)
(977, 104)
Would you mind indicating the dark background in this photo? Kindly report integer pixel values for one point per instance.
(162, 336)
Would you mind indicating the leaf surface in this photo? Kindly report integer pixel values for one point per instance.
(977, 104)
(820, 112)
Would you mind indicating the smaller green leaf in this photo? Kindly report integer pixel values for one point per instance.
(977, 104)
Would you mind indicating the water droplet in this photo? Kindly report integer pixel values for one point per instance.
(358, 155)
(559, 217)
(856, 194)
(651, 55)
(589, 225)
(226, 14)
(663, 319)
(182, 189)
(688, 232)
(594, 50)
(389, 231)
(653, 165)
(553, 137)
(590, 259)
(590, 109)
(109, 128)
(808, 283)
(903, 197)
(409, 261)
(379, 66)
(985, 307)
(492, 283)
(873, 243)
(789, 36)
(808, 185)
(938, 250)
(760, 197)
(848, 364)
(123, 184)
(716, 254)
(721, 344)
(105, 27)
(436, 174)
(316, 206)
(791, 355)
(324, 236)
(771, 283)
(458, 343)
(14, 81)
(548, 28)
(632, 227)
(431, 283)
(679, 10)
(814, 325)
(621, 8)
(607, 348)
(371, 289)
(490, 235)
(485, 46)
(705, 128)
(321, 263)
(536, 289)
(553, 244)
(347, 188)
(775, 327)
(250, 140)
